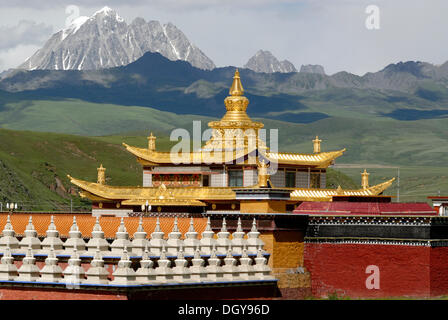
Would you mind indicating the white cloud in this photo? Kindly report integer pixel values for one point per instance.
(13, 57)
(26, 32)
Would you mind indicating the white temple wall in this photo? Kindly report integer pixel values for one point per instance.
(218, 178)
(301, 179)
(250, 177)
(111, 212)
(278, 179)
(323, 180)
(147, 179)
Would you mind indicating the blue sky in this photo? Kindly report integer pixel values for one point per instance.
(327, 32)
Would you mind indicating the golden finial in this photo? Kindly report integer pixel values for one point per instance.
(101, 175)
(316, 143)
(237, 88)
(152, 142)
(365, 179)
(339, 191)
(263, 174)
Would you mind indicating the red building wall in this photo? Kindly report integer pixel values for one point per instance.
(417, 271)
(439, 271)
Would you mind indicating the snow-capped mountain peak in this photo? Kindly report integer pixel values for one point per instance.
(105, 40)
(106, 11)
(74, 26)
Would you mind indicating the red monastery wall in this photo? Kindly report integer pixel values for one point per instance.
(404, 270)
(439, 271)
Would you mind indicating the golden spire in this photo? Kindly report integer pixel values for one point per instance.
(316, 144)
(152, 143)
(101, 175)
(232, 129)
(237, 88)
(365, 179)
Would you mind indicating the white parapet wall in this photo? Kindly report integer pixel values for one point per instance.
(111, 212)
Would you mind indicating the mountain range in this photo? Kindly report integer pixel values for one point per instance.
(105, 40)
(177, 86)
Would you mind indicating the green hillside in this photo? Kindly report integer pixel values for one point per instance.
(368, 139)
(85, 118)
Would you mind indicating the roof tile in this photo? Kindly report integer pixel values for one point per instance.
(109, 225)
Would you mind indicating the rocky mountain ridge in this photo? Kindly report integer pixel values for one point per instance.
(265, 61)
(105, 40)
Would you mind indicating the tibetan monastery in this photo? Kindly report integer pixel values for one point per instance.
(234, 164)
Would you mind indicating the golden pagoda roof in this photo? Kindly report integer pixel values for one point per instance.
(304, 194)
(194, 195)
(322, 159)
(198, 157)
(153, 193)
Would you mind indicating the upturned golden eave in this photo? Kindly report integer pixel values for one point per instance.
(211, 193)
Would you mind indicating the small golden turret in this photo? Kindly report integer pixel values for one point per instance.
(101, 175)
(365, 179)
(152, 143)
(316, 144)
(263, 175)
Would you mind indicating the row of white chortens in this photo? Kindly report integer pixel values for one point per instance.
(213, 260)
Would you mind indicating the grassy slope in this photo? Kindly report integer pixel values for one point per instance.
(39, 159)
(83, 118)
(372, 139)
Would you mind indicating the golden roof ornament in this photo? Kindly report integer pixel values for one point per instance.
(339, 191)
(365, 179)
(235, 128)
(101, 175)
(263, 175)
(316, 144)
(151, 142)
(236, 105)
(237, 88)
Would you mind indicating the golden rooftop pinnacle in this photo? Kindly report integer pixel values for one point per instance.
(237, 88)
(365, 179)
(316, 144)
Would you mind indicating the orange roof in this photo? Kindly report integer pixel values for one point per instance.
(109, 225)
